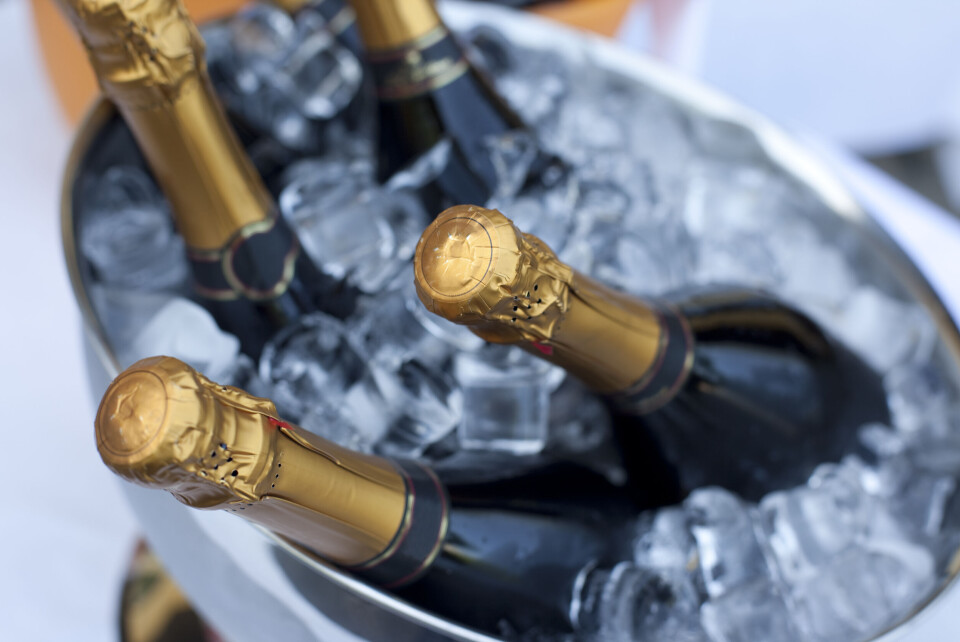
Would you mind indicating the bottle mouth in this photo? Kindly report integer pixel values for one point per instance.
(456, 253)
(132, 414)
(474, 267)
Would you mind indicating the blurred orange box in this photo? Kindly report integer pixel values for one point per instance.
(76, 87)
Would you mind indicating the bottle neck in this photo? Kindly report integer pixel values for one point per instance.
(195, 155)
(474, 267)
(390, 25)
(607, 339)
(149, 59)
(382, 519)
(638, 352)
(163, 425)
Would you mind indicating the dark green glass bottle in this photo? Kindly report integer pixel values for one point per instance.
(725, 386)
(249, 269)
(480, 553)
(429, 92)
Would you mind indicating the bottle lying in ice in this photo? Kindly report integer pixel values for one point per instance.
(482, 554)
(248, 267)
(721, 386)
(430, 92)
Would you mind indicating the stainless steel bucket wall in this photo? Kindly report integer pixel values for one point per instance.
(253, 586)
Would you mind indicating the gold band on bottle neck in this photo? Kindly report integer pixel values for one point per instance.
(149, 59)
(163, 425)
(394, 24)
(473, 267)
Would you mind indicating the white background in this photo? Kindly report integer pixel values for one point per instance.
(65, 532)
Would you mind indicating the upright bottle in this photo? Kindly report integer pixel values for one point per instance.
(728, 386)
(478, 557)
(428, 91)
(248, 267)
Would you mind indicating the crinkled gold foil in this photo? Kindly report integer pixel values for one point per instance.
(394, 24)
(143, 51)
(148, 57)
(473, 267)
(163, 425)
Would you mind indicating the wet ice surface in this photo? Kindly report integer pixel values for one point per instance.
(659, 197)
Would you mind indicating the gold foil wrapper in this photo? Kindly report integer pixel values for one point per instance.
(474, 267)
(143, 51)
(395, 24)
(149, 59)
(163, 425)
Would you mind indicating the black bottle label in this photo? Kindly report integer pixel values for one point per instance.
(669, 372)
(417, 543)
(423, 66)
(257, 264)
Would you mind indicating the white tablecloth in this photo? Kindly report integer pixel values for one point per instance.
(66, 534)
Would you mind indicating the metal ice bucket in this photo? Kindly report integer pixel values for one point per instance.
(253, 586)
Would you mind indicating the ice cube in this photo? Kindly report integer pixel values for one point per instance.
(754, 611)
(261, 35)
(545, 212)
(664, 541)
(727, 141)
(628, 603)
(243, 374)
(350, 227)
(863, 590)
(330, 421)
(729, 550)
(579, 421)
(885, 331)
(310, 362)
(427, 406)
(535, 86)
(506, 399)
(813, 271)
(921, 400)
(805, 529)
(320, 76)
(512, 155)
(126, 232)
(389, 333)
(642, 262)
(184, 330)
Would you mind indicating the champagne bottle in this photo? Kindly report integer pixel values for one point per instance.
(479, 557)
(248, 267)
(729, 386)
(429, 91)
